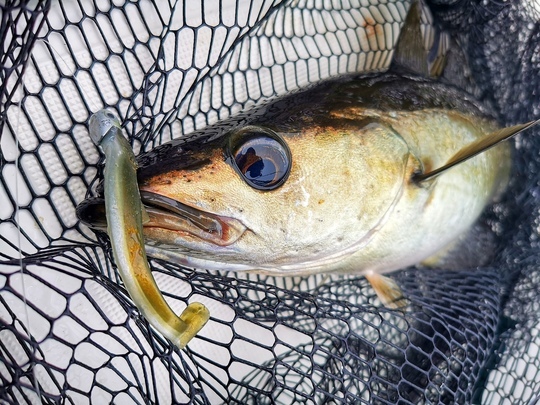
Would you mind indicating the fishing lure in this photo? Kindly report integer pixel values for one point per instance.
(125, 216)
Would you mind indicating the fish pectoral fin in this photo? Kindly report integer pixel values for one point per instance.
(475, 148)
(388, 291)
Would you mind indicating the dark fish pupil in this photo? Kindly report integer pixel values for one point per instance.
(257, 167)
(263, 161)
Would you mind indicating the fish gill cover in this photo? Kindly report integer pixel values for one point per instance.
(68, 331)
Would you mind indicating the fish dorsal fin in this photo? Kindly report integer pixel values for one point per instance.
(422, 45)
(475, 148)
(410, 47)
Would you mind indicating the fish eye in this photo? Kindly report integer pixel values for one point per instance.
(261, 157)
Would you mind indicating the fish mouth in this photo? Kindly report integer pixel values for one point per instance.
(172, 215)
(171, 219)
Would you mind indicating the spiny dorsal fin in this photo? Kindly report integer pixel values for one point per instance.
(477, 147)
(410, 51)
(422, 45)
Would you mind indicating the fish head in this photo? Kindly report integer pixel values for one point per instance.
(330, 180)
(282, 199)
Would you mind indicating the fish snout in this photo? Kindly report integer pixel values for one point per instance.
(91, 212)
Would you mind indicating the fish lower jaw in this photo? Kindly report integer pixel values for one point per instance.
(172, 220)
(174, 231)
(175, 255)
(201, 258)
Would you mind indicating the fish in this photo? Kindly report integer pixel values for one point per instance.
(362, 175)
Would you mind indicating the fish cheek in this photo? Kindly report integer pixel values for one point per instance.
(390, 166)
(344, 183)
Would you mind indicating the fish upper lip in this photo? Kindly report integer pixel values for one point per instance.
(170, 214)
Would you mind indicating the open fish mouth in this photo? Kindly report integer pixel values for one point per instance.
(172, 216)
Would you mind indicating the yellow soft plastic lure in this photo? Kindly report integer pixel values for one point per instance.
(124, 213)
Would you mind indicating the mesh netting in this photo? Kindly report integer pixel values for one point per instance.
(68, 331)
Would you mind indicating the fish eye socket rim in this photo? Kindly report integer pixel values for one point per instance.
(243, 135)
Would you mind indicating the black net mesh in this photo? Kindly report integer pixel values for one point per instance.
(68, 331)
